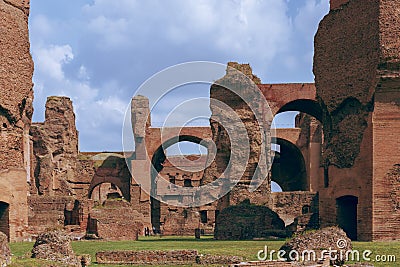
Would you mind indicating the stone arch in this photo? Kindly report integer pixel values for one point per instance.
(288, 169)
(308, 124)
(308, 106)
(157, 160)
(102, 196)
(112, 180)
(113, 170)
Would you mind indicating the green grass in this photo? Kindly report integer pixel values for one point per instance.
(206, 245)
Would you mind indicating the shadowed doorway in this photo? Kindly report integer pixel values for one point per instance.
(346, 211)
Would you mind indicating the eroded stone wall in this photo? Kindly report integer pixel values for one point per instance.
(55, 145)
(297, 209)
(152, 257)
(357, 78)
(239, 79)
(16, 95)
(116, 220)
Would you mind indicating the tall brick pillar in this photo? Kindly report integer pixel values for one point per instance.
(16, 95)
(141, 165)
(356, 67)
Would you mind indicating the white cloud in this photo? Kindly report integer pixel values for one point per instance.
(101, 55)
(49, 60)
(236, 27)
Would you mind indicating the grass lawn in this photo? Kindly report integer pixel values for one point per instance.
(206, 245)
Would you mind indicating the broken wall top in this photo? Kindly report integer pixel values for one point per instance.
(357, 44)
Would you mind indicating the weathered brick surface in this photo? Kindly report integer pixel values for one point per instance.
(55, 144)
(245, 221)
(47, 212)
(386, 158)
(331, 238)
(55, 246)
(16, 95)
(336, 4)
(116, 220)
(300, 208)
(147, 257)
(357, 78)
(345, 67)
(5, 252)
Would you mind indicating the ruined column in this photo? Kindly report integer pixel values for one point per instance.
(314, 155)
(234, 90)
(140, 117)
(140, 164)
(55, 145)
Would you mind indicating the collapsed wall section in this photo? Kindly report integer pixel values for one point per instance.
(239, 83)
(55, 146)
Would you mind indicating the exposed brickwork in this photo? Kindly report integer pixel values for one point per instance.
(330, 238)
(47, 212)
(227, 91)
(147, 257)
(116, 220)
(357, 80)
(55, 144)
(16, 95)
(55, 246)
(303, 214)
(345, 87)
(245, 221)
(5, 252)
(349, 149)
(336, 4)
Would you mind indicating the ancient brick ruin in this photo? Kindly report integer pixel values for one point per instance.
(339, 165)
(16, 95)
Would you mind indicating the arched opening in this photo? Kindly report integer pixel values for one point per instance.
(183, 148)
(306, 106)
(346, 215)
(303, 118)
(105, 191)
(288, 168)
(4, 218)
(113, 172)
(275, 187)
(170, 154)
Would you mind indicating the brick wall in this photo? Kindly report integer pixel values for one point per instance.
(147, 257)
(299, 206)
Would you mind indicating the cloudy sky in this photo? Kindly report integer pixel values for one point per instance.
(98, 52)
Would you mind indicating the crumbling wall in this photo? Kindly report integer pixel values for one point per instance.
(16, 95)
(225, 90)
(345, 68)
(356, 67)
(55, 145)
(247, 221)
(47, 212)
(116, 220)
(298, 209)
(152, 257)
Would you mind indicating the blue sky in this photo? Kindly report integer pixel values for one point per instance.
(98, 52)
